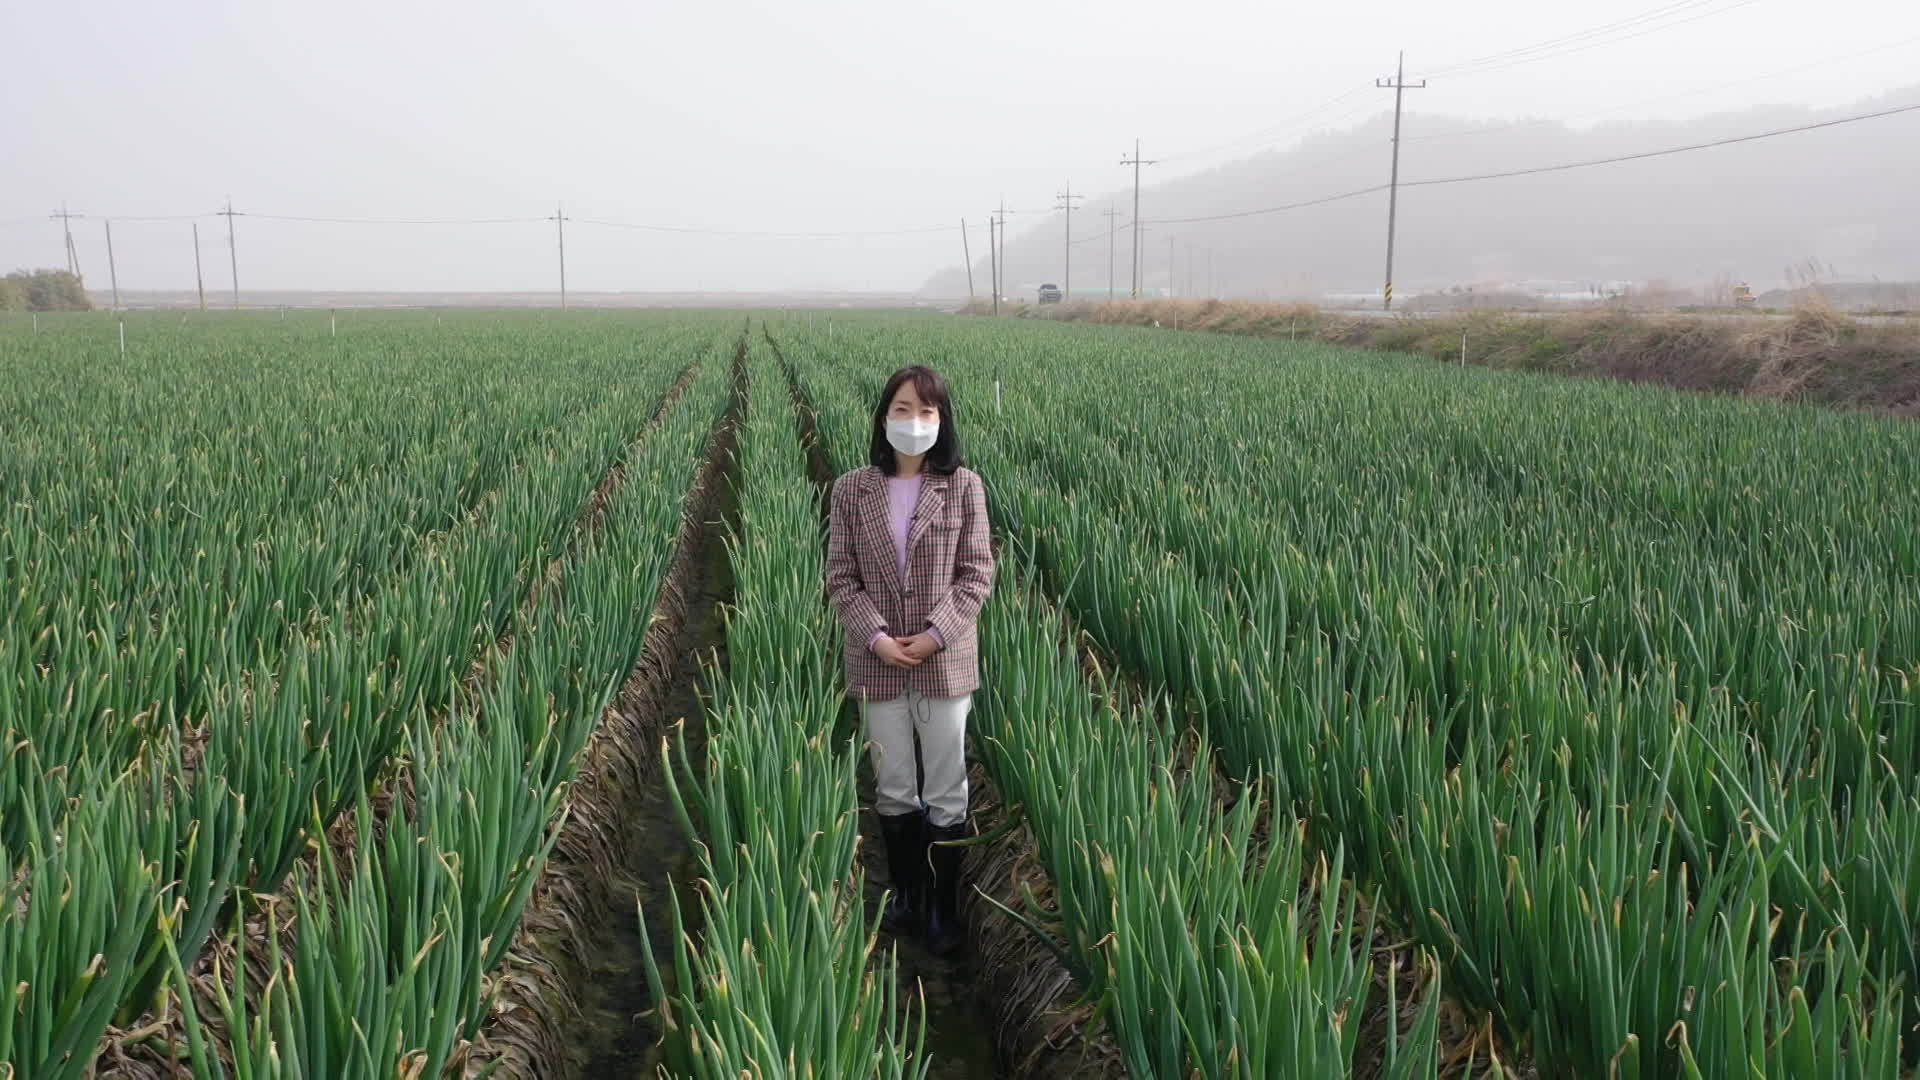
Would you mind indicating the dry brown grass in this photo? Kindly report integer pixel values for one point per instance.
(1816, 354)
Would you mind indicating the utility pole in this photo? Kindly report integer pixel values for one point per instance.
(560, 223)
(233, 256)
(113, 271)
(1399, 86)
(1005, 282)
(1112, 228)
(993, 258)
(66, 229)
(1066, 280)
(1141, 270)
(199, 282)
(1136, 163)
(997, 248)
(966, 254)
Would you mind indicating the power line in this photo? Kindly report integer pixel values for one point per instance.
(1591, 36)
(1328, 122)
(1302, 205)
(117, 217)
(162, 217)
(1646, 22)
(750, 234)
(1113, 229)
(1815, 126)
(643, 226)
(1283, 126)
(388, 221)
(1660, 18)
(155, 217)
(1369, 148)
(1104, 235)
(1671, 8)
(1486, 64)
(1561, 121)
(1377, 188)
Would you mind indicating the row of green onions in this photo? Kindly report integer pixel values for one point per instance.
(213, 810)
(1312, 560)
(390, 946)
(1215, 944)
(776, 974)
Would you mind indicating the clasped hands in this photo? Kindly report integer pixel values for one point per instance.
(906, 652)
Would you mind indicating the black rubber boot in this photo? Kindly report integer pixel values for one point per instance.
(945, 935)
(905, 836)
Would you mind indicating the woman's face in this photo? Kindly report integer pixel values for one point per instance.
(906, 405)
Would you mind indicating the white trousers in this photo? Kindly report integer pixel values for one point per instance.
(940, 725)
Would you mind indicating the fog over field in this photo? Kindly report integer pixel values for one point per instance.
(838, 146)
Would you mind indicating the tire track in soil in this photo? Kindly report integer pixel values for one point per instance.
(574, 984)
(615, 1034)
(613, 1031)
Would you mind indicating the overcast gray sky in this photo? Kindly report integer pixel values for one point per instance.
(826, 116)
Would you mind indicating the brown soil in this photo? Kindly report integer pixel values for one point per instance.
(574, 999)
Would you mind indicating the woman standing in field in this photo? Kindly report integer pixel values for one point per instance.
(909, 564)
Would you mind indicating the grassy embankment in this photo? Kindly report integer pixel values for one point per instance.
(1813, 354)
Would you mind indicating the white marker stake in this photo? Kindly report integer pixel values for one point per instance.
(333, 324)
(123, 339)
(1463, 348)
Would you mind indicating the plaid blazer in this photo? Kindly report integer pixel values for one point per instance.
(949, 575)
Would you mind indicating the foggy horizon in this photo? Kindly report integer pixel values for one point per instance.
(838, 119)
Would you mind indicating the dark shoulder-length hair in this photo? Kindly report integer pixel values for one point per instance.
(945, 456)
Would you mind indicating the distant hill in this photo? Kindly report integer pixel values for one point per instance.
(1843, 197)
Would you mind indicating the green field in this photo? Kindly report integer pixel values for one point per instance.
(1423, 720)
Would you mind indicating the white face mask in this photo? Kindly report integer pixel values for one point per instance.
(912, 437)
